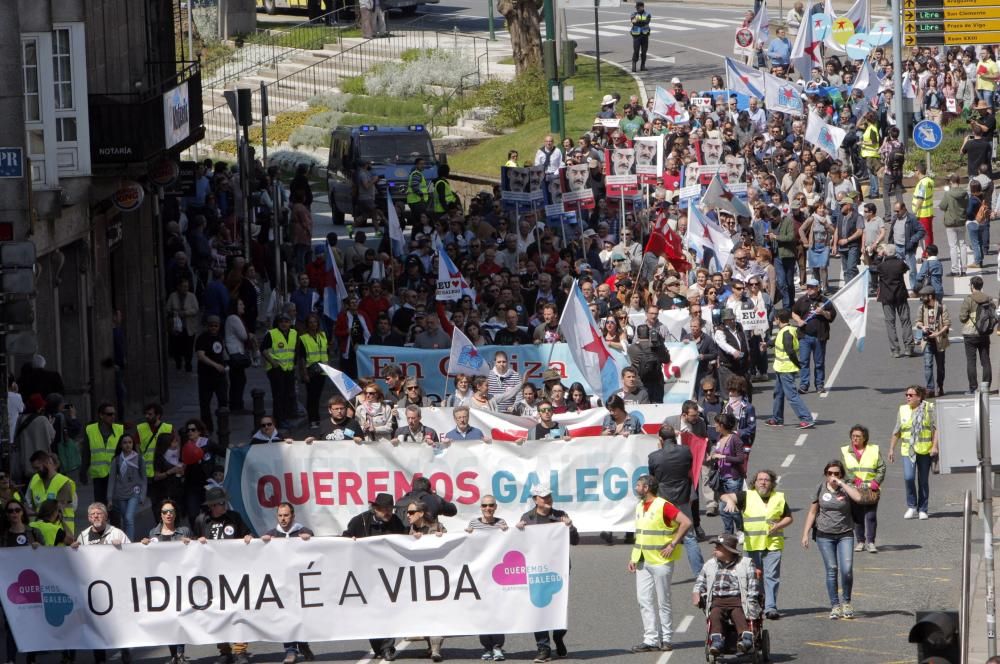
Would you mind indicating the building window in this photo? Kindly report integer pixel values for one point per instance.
(62, 69)
(32, 109)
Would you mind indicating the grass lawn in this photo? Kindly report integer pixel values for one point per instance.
(947, 157)
(487, 157)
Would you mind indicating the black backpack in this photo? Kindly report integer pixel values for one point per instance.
(986, 317)
(895, 159)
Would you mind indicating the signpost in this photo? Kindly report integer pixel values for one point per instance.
(927, 135)
(950, 22)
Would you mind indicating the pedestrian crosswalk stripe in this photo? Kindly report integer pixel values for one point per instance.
(698, 23)
(621, 28)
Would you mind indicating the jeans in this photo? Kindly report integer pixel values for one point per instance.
(914, 473)
(838, 556)
(910, 258)
(976, 241)
(873, 165)
(786, 278)
(127, 509)
(865, 522)
(931, 358)
(956, 249)
(811, 346)
(492, 641)
(978, 345)
(652, 588)
(295, 647)
(902, 312)
(691, 549)
(542, 639)
(850, 256)
(784, 387)
(732, 522)
(769, 563)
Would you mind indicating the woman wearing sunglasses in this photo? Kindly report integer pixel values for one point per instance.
(198, 453)
(492, 643)
(374, 414)
(168, 531)
(422, 523)
(15, 531)
(831, 524)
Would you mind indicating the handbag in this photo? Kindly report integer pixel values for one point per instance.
(714, 479)
(869, 496)
(177, 324)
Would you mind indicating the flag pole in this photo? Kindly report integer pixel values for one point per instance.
(552, 347)
(447, 379)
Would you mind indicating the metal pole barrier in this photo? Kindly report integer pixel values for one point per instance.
(597, 42)
(987, 513)
(897, 66)
(493, 37)
(963, 616)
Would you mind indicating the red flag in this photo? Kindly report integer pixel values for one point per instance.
(697, 445)
(668, 245)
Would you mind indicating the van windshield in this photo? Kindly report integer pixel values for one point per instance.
(395, 148)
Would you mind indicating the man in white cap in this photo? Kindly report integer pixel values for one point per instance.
(813, 314)
(679, 93)
(543, 512)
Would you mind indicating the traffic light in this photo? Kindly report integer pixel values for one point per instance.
(549, 60)
(17, 289)
(937, 638)
(569, 58)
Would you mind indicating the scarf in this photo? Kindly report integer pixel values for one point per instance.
(173, 457)
(916, 426)
(125, 461)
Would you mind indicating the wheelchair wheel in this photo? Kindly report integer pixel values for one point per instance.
(765, 646)
(708, 655)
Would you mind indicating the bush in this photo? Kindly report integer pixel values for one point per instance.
(353, 85)
(309, 136)
(288, 160)
(414, 54)
(330, 102)
(386, 107)
(325, 120)
(411, 79)
(517, 101)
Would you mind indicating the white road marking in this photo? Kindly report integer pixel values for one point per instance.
(788, 461)
(698, 23)
(801, 440)
(669, 59)
(815, 415)
(665, 657)
(401, 645)
(689, 48)
(684, 624)
(832, 376)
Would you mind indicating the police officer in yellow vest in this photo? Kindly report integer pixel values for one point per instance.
(444, 197)
(102, 441)
(871, 140)
(417, 192)
(659, 530)
(866, 470)
(312, 350)
(640, 34)
(278, 349)
(917, 435)
(923, 202)
(786, 371)
(765, 516)
(49, 484)
(149, 431)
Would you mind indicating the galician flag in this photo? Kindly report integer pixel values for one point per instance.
(341, 381)
(587, 347)
(334, 292)
(867, 81)
(704, 233)
(395, 230)
(824, 136)
(718, 196)
(743, 79)
(851, 302)
(782, 95)
(666, 106)
(465, 358)
(806, 50)
(761, 26)
(451, 284)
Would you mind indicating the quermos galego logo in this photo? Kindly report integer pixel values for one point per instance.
(29, 591)
(514, 572)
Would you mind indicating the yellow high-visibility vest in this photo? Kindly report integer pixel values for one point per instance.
(315, 347)
(782, 363)
(863, 468)
(756, 516)
(38, 493)
(870, 142)
(416, 187)
(443, 198)
(283, 350)
(925, 440)
(147, 442)
(102, 451)
(652, 534)
(923, 198)
(48, 531)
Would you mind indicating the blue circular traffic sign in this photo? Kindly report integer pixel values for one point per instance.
(927, 135)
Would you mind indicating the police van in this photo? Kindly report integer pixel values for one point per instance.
(392, 150)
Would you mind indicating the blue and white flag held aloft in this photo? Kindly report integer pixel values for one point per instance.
(806, 50)
(465, 358)
(704, 233)
(451, 284)
(782, 95)
(666, 106)
(742, 79)
(851, 303)
(341, 381)
(334, 291)
(867, 81)
(824, 136)
(718, 196)
(395, 230)
(587, 347)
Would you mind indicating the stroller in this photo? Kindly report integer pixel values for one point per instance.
(761, 638)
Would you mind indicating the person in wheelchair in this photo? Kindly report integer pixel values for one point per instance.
(727, 587)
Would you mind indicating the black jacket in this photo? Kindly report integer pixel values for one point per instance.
(891, 283)
(436, 505)
(366, 525)
(671, 466)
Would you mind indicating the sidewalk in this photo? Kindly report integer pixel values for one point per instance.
(977, 609)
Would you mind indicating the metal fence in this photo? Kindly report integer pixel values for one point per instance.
(295, 88)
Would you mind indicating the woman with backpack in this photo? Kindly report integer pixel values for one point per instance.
(977, 215)
(978, 318)
(893, 155)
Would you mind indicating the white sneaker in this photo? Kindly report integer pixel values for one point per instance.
(860, 546)
(910, 513)
(923, 515)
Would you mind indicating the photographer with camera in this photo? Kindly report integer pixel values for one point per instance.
(648, 353)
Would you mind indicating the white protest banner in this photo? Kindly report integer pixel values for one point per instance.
(701, 102)
(330, 482)
(607, 123)
(323, 589)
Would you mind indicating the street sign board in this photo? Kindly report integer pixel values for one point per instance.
(927, 135)
(11, 163)
(956, 14)
(920, 27)
(936, 4)
(951, 38)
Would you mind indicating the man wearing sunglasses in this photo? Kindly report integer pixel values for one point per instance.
(492, 643)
